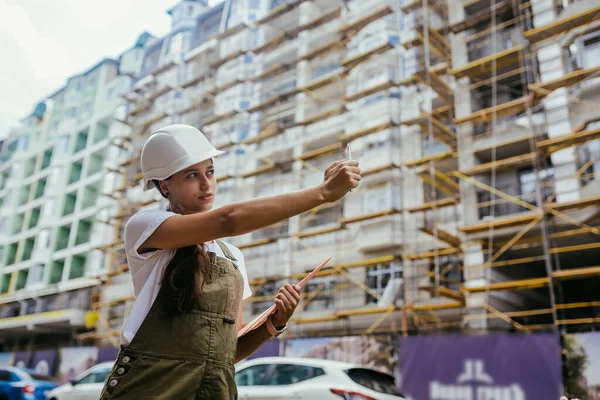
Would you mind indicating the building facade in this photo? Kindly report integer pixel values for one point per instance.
(56, 187)
(475, 123)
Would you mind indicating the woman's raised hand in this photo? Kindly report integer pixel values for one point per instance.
(340, 178)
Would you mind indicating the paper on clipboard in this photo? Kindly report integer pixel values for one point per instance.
(263, 317)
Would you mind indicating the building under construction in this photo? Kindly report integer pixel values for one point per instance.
(477, 125)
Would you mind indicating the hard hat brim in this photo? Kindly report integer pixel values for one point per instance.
(179, 165)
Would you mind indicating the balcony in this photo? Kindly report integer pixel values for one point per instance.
(233, 70)
(380, 156)
(59, 312)
(230, 101)
(375, 39)
(373, 202)
(364, 12)
(414, 34)
(319, 20)
(542, 89)
(563, 24)
(269, 260)
(380, 235)
(272, 97)
(194, 74)
(331, 122)
(374, 78)
(309, 251)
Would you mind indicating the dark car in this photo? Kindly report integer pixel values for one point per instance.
(23, 384)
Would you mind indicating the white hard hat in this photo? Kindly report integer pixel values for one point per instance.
(172, 149)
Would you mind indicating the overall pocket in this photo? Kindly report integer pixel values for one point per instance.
(146, 376)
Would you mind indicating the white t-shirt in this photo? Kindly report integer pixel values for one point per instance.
(147, 268)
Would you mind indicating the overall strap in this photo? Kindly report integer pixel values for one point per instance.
(226, 251)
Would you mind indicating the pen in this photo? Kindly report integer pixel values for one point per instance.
(348, 154)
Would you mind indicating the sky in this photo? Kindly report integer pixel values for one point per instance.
(42, 43)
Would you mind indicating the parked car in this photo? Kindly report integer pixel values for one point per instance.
(295, 378)
(23, 384)
(86, 386)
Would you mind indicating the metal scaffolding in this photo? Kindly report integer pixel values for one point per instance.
(473, 251)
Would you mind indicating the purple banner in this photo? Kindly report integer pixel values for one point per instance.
(43, 361)
(21, 359)
(269, 349)
(496, 366)
(107, 353)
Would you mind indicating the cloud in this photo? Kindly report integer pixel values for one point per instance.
(36, 49)
(44, 43)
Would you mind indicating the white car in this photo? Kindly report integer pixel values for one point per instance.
(86, 386)
(294, 378)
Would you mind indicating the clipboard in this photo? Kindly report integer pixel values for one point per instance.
(258, 321)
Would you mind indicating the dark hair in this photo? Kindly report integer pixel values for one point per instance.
(186, 274)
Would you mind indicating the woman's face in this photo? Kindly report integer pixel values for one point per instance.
(193, 189)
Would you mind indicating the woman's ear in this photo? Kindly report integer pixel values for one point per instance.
(164, 188)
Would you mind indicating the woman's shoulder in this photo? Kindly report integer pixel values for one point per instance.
(144, 217)
(143, 223)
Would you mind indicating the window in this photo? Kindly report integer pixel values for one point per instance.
(5, 376)
(322, 218)
(252, 376)
(36, 274)
(63, 144)
(268, 290)
(379, 277)
(190, 10)
(378, 199)
(374, 380)
(591, 49)
(288, 374)
(276, 3)
(176, 43)
(528, 184)
(98, 376)
(323, 299)
(23, 143)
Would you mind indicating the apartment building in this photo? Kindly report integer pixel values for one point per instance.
(475, 131)
(476, 126)
(56, 187)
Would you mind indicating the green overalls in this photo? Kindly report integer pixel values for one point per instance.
(187, 355)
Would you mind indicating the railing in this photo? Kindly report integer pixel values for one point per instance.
(480, 46)
(360, 8)
(501, 207)
(431, 148)
(323, 69)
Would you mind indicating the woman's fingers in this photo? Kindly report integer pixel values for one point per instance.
(293, 290)
(284, 301)
(288, 297)
(292, 301)
(280, 305)
(332, 167)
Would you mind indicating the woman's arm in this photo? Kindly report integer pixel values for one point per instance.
(287, 300)
(243, 217)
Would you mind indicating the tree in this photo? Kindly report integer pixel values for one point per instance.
(574, 363)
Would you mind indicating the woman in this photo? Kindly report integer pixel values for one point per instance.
(180, 340)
